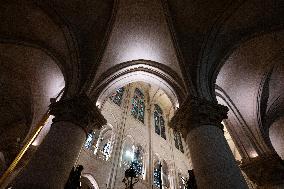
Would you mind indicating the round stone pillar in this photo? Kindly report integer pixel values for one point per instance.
(213, 162)
(50, 166)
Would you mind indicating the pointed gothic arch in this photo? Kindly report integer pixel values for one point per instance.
(89, 182)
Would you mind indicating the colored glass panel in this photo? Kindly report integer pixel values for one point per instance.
(182, 181)
(138, 105)
(159, 121)
(178, 141)
(106, 150)
(157, 175)
(89, 140)
(117, 96)
(137, 162)
(163, 129)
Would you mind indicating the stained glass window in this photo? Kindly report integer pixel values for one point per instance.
(138, 105)
(106, 150)
(178, 141)
(159, 121)
(137, 162)
(157, 175)
(89, 141)
(117, 96)
(182, 181)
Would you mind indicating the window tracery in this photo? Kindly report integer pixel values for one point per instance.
(116, 97)
(106, 150)
(182, 181)
(100, 143)
(90, 140)
(157, 174)
(138, 105)
(178, 141)
(159, 121)
(133, 156)
(138, 160)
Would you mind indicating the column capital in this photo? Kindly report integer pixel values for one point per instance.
(78, 110)
(266, 171)
(195, 112)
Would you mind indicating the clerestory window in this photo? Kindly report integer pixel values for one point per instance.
(178, 141)
(138, 105)
(159, 121)
(116, 97)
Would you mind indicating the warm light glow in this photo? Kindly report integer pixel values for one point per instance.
(177, 105)
(92, 180)
(98, 104)
(140, 48)
(44, 131)
(23, 150)
(253, 154)
(55, 84)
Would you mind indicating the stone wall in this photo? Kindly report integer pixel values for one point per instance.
(128, 131)
(109, 173)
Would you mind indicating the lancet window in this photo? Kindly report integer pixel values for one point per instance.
(90, 140)
(137, 162)
(138, 105)
(178, 141)
(157, 174)
(106, 150)
(182, 181)
(133, 156)
(159, 121)
(116, 97)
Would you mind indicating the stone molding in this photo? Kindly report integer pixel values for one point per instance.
(78, 110)
(195, 112)
(265, 171)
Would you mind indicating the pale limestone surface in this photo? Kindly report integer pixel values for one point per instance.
(111, 172)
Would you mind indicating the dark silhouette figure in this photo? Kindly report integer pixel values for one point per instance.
(73, 181)
(191, 182)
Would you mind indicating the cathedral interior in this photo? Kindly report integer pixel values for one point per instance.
(158, 87)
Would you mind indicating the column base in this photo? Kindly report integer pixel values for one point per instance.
(266, 172)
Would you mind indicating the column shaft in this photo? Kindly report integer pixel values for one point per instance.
(213, 162)
(214, 165)
(51, 164)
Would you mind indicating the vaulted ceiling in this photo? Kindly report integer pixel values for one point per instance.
(251, 83)
(45, 46)
(207, 32)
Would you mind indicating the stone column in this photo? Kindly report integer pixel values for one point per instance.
(50, 166)
(213, 162)
(98, 143)
(172, 176)
(267, 171)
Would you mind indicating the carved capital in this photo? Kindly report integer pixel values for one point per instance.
(265, 171)
(78, 110)
(195, 112)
